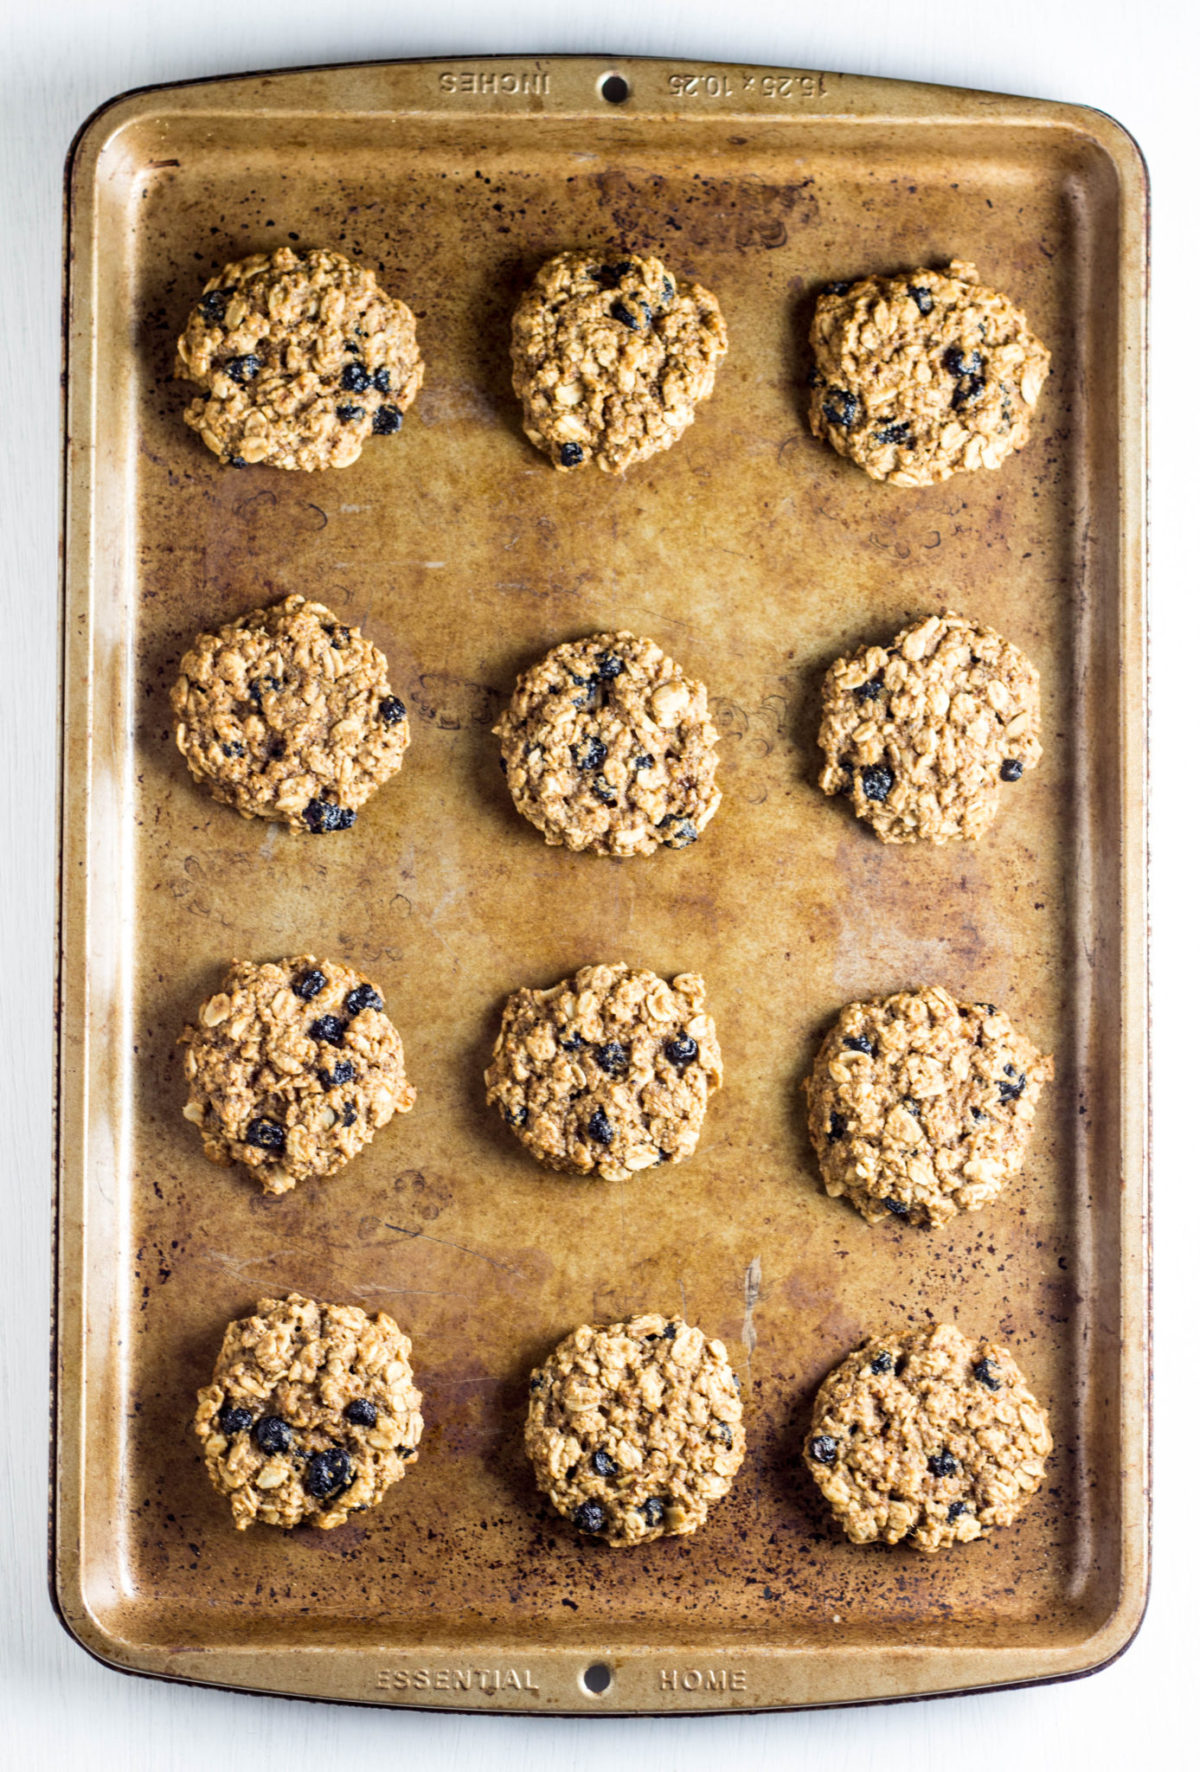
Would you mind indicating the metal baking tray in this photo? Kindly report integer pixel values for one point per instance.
(754, 555)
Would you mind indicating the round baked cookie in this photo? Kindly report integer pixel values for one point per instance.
(312, 1413)
(607, 747)
(611, 355)
(920, 1107)
(924, 375)
(301, 357)
(608, 1072)
(926, 1436)
(634, 1429)
(287, 714)
(922, 735)
(292, 1068)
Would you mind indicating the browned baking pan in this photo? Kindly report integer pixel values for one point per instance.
(754, 556)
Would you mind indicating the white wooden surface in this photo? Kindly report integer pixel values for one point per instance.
(59, 60)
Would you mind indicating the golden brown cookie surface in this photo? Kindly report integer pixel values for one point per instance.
(920, 1107)
(924, 375)
(925, 735)
(312, 1413)
(606, 1073)
(611, 355)
(287, 714)
(926, 1436)
(292, 1068)
(607, 747)
(300, 357)
(635, 1429)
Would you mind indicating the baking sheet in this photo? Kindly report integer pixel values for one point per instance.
(754, 556)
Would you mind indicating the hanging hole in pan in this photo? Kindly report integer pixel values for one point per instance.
(615, 88)
(597, 1678)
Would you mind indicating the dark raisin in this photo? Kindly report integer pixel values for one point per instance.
(599, 1127)
(363, 996)
(590, 1517)
(897, 1207)
(392, 709)
(1012, 769)
(624, 267)
(677, 832)
(342, 1072)
(841, 408)
(309, 985)
(869, 691)
(877, 781)
(986, 1375)
(956, 1509)
(573, 1041)
(959, 365)
(323, 815)
(265, 1135)
(516, 1116)
(967, 392)
(608, 665)
(667, 293)
(570, 455)
(360, 1412)
(942, 1464)
(537, 1382)
(724, 1433)
(815, 378)
(258, 684)
(350, 412)
(837, 1127)
(896, 433)
(328, 1472)
(612, 1058)
(243, 369)
(232, 1418)
(329, 1029)
(213, 305)
(355, 379)
(272, 1434)
(604, 791)
(1010, 1091)
(352, 345)
(914, 1107)
(383, 380)
(978, 1114)
(653, 1511)
(645, 761)
(590, 755)
(603, 1465)
(838, 288)
(681, 1050)
(626, 316)
(859, 1043)
(236, 749)
(387, 421)
(238, 461)
(824, 1449)
(349, 1114)
(923, 298)
(882, 1363)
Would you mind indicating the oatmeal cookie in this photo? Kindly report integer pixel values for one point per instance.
(920, 1107)
(292, 1069)
(287, 714)
(607, 1072)
(924, 375)
(301, 357)
(611, 357)
(926, 1436)
(921, 734)
(634, 1429)
(608, 747)
(312, 1413)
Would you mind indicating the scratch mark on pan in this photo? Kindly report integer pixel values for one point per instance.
(447, 1244)
(752, 1284)
(244, 1269)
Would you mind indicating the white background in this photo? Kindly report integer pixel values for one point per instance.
(58, 61)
